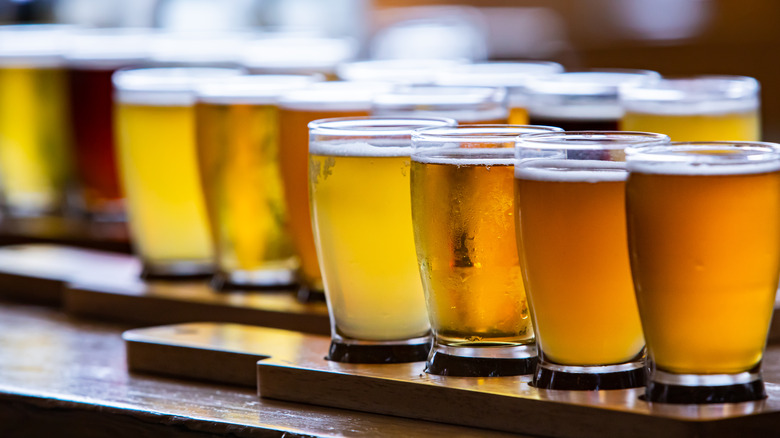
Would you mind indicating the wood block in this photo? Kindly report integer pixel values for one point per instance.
(70, 231)
(224, 353)
(505, 403)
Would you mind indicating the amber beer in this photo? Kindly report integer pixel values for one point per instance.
(238, 148)
(703, 233)
(570, 198)
(296, 110)
(695, 109)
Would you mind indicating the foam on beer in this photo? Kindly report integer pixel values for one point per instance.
(703, 169)
(588, 171)
(164, 86)
(690, 108)
(359, 149)
(465, 156)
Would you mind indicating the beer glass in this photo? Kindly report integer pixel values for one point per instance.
(399, 71)
(94, 56)
(296, 110)
(35, 160)
(238, 146)
(703, 233)
(582, 100)
(571, 223)
(700, 108)
(362, 221)
(155, 128)
(464, 104)
(280, 53)
(510, 75)
(462, 182)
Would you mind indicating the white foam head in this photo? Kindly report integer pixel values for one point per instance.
(291, 53)
(109, 48)
(165, 86)
(497, 74)
(404, 71)
(253, 89)
(465, 156)
(705, 159)
(588, 171)
(198, 48)
(691, 96)
(34, 45)
(334, 96)
(359, 149)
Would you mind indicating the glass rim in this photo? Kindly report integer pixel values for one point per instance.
(253, 88)
(440, 95)
(694, 88)
(696, 152)
(589, 140)
(36, 44)
(499, 73)
(376, 126)
(420, 71)
(168, 79)
(483, 133)
(592, 82)
(337, 95)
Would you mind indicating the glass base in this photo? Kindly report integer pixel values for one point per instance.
(253, 280)
(177, 271)
(412, 350)
(589, 378)
(487, 361)
(700, 389)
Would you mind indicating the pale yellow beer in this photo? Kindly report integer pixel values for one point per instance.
(705, 252)
(695, 109)
(575, 258)
(35, 137)
(238, 154)
(155, 128)
(362, 220)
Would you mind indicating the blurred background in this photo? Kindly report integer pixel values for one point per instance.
(674, 37)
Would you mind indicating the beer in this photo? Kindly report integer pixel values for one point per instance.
(468, 261)
(484, 105)
(696, 109)
(155, 127)
(35, 163)
(238, 148)
(296, 111)
(581, 101)
(575, 258)
(362, 221)
(510, 75)
(94, 57)
(705, 257)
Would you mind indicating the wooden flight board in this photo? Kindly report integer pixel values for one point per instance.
(107, 286)
(504, 403)
(68, 231)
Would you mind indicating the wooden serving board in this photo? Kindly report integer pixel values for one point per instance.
(504, 403)
(217, 352)
(69, 231)
(107, 286)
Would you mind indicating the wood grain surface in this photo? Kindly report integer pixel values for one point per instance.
(61, 376)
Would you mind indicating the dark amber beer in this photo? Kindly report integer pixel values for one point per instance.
(704, 227)
(569, 196)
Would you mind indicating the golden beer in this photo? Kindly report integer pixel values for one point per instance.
(468, 260)
(155, 128)
(575, 258)
(296, 111)
(705, 254)
(238, 153)
(696, 109)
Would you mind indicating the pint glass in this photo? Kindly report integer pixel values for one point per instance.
(703, 229)
(35, 139)
(238, 148)
(464, 104)
(361, 215)
(155, 129)
(581, 100)
(296, 110)
(511, 75)
(702, 108)
(569, 195)
(464, 232)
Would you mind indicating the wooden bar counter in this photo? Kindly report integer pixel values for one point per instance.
(61, 376)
